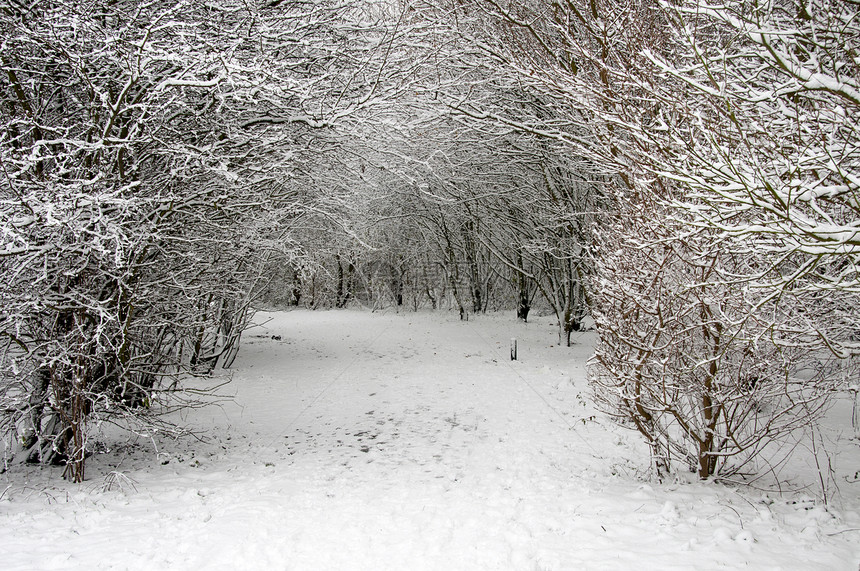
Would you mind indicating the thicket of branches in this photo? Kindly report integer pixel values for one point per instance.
(147, 155)
(750, 130)
(720, 144)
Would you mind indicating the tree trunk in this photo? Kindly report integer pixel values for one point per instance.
(74, 433)
(524, 303)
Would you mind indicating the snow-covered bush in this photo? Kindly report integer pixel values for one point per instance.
(724, 138)
(725, 314)
(709, 368)
(145, 149)
(121, 247)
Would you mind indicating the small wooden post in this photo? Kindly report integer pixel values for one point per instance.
(855, 412)
(513, 348)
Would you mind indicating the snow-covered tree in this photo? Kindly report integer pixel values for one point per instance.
(147, 153)
(760, 105)
(710, 368)
(715, 132)
(93, 95)
(750, 123)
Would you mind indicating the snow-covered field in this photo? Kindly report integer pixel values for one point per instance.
(411, 441)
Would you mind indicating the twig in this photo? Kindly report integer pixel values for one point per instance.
(843, 531)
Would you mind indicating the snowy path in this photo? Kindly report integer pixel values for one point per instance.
(362, 441)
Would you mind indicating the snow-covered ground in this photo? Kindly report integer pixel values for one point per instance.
(407, 442)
